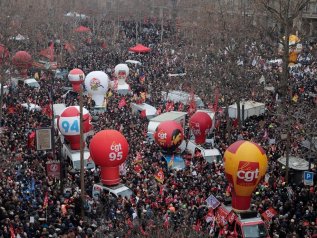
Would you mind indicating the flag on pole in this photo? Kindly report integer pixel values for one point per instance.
(31, 140)
(269, 214)
(47, 110)
(217, 93)
(48, 52)
(12, 231)
(159, 176)
(122, 103)
(45, 202)
(192, 104)
(171, 162)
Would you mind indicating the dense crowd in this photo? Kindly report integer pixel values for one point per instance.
(175, 208)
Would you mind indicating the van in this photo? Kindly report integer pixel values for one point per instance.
(247, 224)
(150, 111)
(115, 190)
(181, 96)
(72, 158)
(58, 108)
(5, 89)
(209, 153)
(31, 82)
(174, 162)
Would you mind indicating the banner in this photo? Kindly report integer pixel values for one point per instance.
(221, 216)
(53, 168)
(44, 139)
(171, 162)
(212, 202)
(269, 214)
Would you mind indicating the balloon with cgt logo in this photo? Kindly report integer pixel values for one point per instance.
(109, 149)
(245, 165)
(169, 135)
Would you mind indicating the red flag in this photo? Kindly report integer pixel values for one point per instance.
(11, 110)
(166, 222)
(169, 106)
(122, 103)
(197, 227)
(159, 176)
(192, 104)
(45, 202)
(138, 158)
(161, 190)
(47, 110)
(115, 84)
(31, 140)
(143, 113)
(269, 214)
(12, 231)
(232, 216)
(217, 93)
(69, 47)
(103, 45)
(180, 107)
(137, 168)
(48, 52)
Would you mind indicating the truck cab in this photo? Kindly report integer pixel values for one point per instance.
(116, 190)
(72, 158)
(208, 152)
(247, 224)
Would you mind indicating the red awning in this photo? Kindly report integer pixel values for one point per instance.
(139, 48)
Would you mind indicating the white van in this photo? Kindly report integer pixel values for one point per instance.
(72, 158)
(58, 109)
(5, 89)
(116, 190)
(31, 82)
(209, 153)
(181, 96)
(150, 111)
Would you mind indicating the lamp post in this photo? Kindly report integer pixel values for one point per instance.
(82, 176)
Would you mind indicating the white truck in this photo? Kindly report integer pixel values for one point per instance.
(251, 108)
(150, 111)
(181, 96)
(72, 159)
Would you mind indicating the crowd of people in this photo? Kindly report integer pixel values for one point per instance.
(33, 205)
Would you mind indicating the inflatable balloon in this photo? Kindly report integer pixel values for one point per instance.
(22, 60)
(121, 72)
(96, 83)
(109, 149)
(76, 78)
(245, 165)
(69, 125)
(200, 124)
(169, 135)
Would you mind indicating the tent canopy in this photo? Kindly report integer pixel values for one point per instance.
(82, 29)
(139, 48)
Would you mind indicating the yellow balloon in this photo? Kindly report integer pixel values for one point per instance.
(245, 165)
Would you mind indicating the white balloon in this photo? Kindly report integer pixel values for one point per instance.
(121, 71)
(97, 83)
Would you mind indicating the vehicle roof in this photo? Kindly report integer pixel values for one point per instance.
(168, 116)
(149, 110)
(248, 104)
(30, 80)
(251, 220)
(117, 188)
(58, 108)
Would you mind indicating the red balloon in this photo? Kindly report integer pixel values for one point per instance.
(4, 53)
(109, 149)
(169, 135)
(22, 60)
(200, 124)
(69, 125)
(76, 78)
